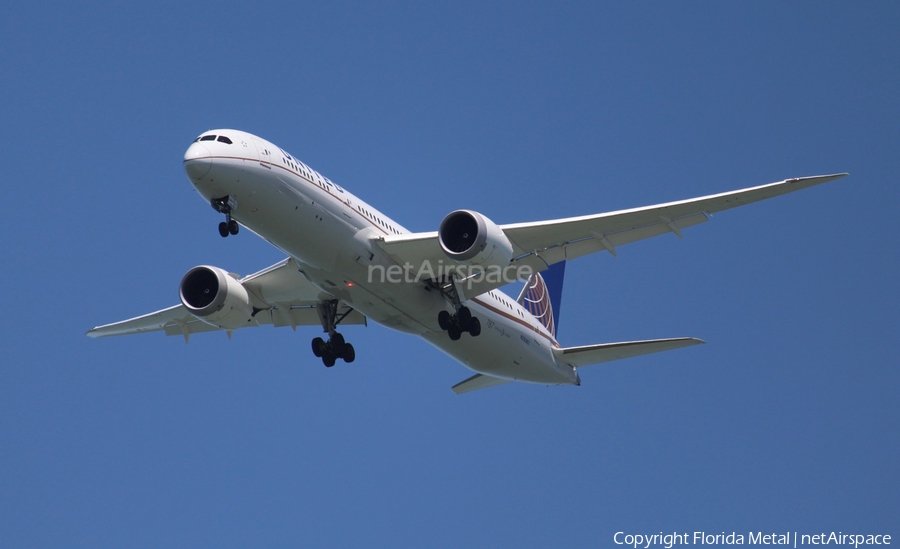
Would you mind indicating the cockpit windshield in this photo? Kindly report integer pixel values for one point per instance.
(220, 139)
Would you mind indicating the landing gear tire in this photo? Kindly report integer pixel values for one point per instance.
(464, 315)
(226, 205)
(444, 320)
(318, 347)
(349, 353)
(333, 349)
(461, 321)
(474, 327)
(336, 347)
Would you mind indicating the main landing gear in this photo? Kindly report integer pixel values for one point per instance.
(226, 205)
(335, 348)
(459, 322)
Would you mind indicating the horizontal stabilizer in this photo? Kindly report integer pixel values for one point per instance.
(478, 381)
(605, 352)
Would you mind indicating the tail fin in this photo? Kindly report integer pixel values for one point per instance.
(542, 295)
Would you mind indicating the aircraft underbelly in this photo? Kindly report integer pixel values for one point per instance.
(492, 353)
(271, 206)
(503, 349)
(339, 258)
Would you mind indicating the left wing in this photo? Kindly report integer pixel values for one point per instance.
(548, 242)
(283, 295)
(543, 243)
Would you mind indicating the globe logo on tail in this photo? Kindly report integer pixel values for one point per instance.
(536, 300)
(542, 295)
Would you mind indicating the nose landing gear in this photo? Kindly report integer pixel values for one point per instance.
(229, 226)
(226, 205)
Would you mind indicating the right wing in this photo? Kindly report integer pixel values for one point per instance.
(284, 295)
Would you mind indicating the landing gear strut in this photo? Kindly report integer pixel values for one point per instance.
(460, 321)
(335, 348)
(226, 205)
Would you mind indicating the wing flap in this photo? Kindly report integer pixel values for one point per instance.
(606, 352)
(293, 315)
(193, 326)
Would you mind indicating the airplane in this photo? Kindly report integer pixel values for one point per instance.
(348, 263)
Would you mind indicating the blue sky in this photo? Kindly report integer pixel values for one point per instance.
(786, 420)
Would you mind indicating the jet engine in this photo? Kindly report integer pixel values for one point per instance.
(215, 297)
(470, 238)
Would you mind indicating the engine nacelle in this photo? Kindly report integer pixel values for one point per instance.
(216, 298)
(470, 238)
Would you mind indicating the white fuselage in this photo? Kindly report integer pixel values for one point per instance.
(330, 233)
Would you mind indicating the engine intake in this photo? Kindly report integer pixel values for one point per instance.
(216, 298)
(470, 238)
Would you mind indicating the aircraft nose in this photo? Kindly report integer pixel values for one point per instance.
(197, 161)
